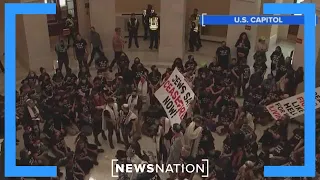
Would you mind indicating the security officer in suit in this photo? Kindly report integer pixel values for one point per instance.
(154, 26)
(193, 37)
(133, 26)
(195, 17)
(145, 19)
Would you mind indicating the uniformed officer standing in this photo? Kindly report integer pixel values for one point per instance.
(195, 17)
(154, 26)
(133, 26)
(145, 20)
(193, 37)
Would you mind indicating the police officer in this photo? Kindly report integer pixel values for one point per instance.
(195, 17)
(154, 26)
(193, 37)
(145, 19)
(133, 26)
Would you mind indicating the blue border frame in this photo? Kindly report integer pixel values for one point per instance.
(309, 12)
(11, 169)
(12, 9)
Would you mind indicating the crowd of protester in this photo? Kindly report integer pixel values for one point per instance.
(49, 108)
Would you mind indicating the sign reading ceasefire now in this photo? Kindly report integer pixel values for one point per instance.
(292, 106)
(175, 96)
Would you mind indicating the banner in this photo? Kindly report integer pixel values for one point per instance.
(175, 96)
(292, 106)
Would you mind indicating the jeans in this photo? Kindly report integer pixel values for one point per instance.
(133, 34)
(81, 61)
(154, 39)
(93, 53)
(117, 55)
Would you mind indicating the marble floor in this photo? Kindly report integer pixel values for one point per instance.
(103, 171)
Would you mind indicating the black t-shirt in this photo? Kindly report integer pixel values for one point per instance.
(215, 68)
(232, 107)
(86, 75)
(128, 76)
(282, 70)
(80, 47)
(281, 150)
(84, 109)
(236, 68)
(32, 79)
(263, 158)
(70, 78)
(48, 128)
(207, 141)
(227, 146)
(225, 118)
(223, 54)
(298, 134)
(154, 78)
(57, 77)
(102, 63)
(205, 98)
(84, 87)
(58, 142)
(28, 138)
(138, 75)
(47, 87)
(245, 71)
(277, 58)
(190, 64)
(42, 77)
(256, 79)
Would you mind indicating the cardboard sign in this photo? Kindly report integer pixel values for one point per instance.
(175, 96)
(292, 106)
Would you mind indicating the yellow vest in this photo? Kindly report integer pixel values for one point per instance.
(154, 23)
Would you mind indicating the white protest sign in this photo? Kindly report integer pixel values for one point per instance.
(292, 106)
(175, 96)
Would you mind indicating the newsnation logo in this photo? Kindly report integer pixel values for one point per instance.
(202, 168)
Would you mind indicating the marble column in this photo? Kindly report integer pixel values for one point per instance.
(33, 43)
(83, 19)
(172, 30)
(103, 18)
(298, 58)
(243, 7)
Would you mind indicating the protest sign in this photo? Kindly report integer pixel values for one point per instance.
(292, 106)
(175, 96)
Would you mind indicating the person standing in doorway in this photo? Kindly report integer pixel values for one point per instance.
(62, 53)
(96, 44)
(195, 17)
(71, 27)
(80, 51)
(223, 55)
(154, 26)
(133, 26)
(193, 38)
(118, 44)
(145, 19)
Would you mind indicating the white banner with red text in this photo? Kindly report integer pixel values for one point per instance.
(175, 96)
(292, 106)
